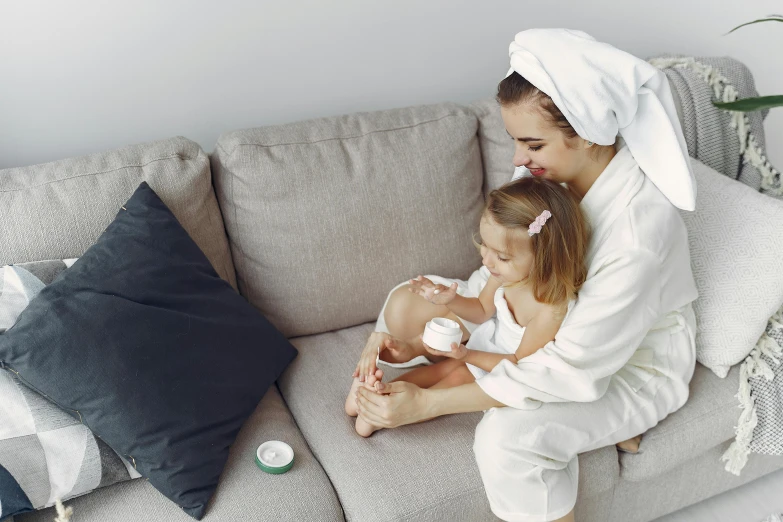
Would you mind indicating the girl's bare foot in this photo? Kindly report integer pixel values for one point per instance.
(350, 401)
(364, 428)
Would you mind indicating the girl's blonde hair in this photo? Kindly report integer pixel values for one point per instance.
(560, 248)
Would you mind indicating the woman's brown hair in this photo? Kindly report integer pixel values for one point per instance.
(559, 267)
(516, 89)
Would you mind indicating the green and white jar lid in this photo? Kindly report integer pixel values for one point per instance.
(274, 456)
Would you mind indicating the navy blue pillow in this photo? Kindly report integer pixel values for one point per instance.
(156, 354)
(13, 501)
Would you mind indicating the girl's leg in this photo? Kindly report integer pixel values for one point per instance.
(459, 375)
(406, 314)
(427, 376)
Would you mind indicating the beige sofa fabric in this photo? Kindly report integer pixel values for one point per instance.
(497, 147)
(244, 492)
(690, 482)
(57, 210)
(324, 217)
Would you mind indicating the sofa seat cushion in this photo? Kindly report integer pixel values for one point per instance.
(689, 482)
(315, 208)
(424, 471)
(244, 492)
(57, 210)
(704, 422)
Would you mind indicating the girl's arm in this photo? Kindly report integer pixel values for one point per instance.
(539, 331)
(476, 309)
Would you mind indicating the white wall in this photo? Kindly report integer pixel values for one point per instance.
(81, 76)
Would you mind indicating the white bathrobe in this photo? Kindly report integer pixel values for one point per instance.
(620, 363)
(501, 334)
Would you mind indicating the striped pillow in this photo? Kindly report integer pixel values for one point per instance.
(49, 453)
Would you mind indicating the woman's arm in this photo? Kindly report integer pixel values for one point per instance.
(401, 403)
(615, 309)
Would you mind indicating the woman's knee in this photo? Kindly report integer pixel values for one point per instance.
(488, 434)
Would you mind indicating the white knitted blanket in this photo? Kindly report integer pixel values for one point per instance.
(733, 143)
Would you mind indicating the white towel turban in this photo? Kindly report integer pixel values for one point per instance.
(603, 91)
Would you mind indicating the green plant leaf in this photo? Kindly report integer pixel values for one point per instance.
(751, 104)
(770, 18)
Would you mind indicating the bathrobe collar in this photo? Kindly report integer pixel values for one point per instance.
(611, 193)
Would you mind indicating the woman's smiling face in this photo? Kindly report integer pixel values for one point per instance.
(542, 147)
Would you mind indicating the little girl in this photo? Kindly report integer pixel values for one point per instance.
(533, 243)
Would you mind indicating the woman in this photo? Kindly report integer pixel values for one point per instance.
(625, 353)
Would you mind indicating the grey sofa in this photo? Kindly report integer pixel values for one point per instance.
(310, 222)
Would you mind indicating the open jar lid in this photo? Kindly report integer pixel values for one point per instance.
(274, 456)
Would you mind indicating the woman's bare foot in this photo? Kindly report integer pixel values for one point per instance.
(350, 401)
(630, 445)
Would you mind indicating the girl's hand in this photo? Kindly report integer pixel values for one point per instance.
(458, 352)
(435, 294)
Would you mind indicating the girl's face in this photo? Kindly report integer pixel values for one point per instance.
(508, 267)
(542, 147)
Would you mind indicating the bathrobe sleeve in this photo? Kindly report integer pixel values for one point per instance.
(616, 307)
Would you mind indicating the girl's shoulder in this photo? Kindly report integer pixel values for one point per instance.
(522, 305)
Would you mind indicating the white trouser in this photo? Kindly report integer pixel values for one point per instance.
(528, 458)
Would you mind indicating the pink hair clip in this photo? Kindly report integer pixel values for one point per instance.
(535, 226)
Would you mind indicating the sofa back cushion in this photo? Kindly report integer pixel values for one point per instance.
(324, 217)
(57, 210)
(736, 240)
(497, 147)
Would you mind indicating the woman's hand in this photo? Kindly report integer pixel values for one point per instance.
(458, 351)
(435, 294)
(395, 404)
